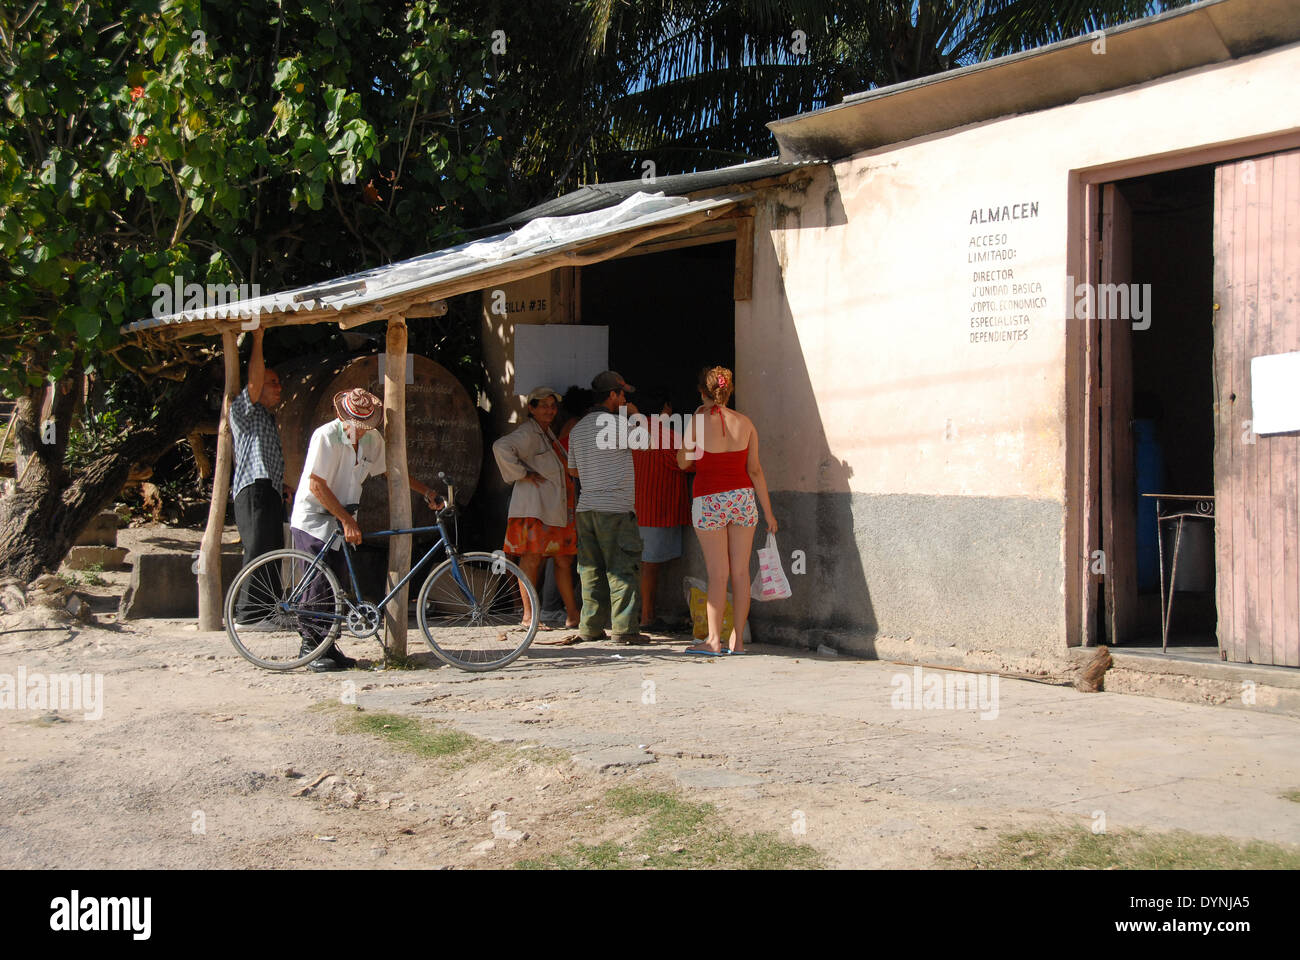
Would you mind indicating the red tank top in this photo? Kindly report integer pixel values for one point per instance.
(718, 472)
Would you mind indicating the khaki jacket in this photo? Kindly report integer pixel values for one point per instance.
(529, 448)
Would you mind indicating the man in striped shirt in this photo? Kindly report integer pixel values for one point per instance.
(609, 543)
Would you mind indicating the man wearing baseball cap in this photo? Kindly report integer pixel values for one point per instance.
(609, 542)
(341, 455)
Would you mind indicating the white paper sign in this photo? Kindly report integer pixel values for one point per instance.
(410, 367)
(558, 355)
(1275, 393)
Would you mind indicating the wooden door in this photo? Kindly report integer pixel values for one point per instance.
(1118, 480)
(1257, 294)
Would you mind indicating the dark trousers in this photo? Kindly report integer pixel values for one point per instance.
(259, 515)
(317, 592)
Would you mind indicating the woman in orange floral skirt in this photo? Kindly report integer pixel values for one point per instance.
(541, 521)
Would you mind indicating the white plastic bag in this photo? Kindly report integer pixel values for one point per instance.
(770, 582)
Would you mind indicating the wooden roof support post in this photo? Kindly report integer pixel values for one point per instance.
(210, 595)
(744, 278)
(399, 491)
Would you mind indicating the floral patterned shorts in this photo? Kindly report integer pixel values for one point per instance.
(715, 511)
(528, 535)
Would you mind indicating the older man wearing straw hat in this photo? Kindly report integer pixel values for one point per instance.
(341, 455)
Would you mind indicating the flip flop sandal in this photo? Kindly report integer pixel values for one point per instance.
(705, 653)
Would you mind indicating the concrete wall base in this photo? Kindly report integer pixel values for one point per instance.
(1243, 686)
(983, 573)
(910, 650)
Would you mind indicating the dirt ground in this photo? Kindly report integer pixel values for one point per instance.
(192, 734)
(201, 759)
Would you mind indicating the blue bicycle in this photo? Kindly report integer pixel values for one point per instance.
(470, 609)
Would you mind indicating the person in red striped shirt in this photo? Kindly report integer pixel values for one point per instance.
(663, 506)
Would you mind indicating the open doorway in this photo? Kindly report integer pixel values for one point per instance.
(1159, 428)
(668, 314)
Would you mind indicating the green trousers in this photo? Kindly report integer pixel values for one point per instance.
(609, 563)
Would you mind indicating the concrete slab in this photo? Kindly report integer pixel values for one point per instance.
(165, 585)
(1201, 678)
(775, 722)
(101, 531)
(714, 779)
(603, 760)
(106, 558)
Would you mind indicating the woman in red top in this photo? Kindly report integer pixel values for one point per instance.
(728, 479)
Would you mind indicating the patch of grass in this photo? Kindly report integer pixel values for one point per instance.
(670, 818)
(1292, 795)
(70, 578)
(678, 834)
(93, 577)
(1078, 848)
(423, 737)
(603, 856)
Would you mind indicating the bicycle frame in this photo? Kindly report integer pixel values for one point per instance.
(443, 541)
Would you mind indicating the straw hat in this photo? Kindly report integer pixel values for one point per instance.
(360, 407)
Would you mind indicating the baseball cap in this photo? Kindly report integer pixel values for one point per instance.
(611, 380)
(541, 393)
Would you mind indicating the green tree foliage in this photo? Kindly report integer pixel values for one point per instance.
(260, 143)
(691, 84)
(144, 142)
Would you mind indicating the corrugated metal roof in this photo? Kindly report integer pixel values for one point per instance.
(1212, 31)
(542, 237)
(600, 195)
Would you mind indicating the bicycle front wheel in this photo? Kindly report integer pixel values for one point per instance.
(268, 616)
(471, 611)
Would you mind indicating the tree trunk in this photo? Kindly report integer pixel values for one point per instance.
(42, 518)
(209, 569)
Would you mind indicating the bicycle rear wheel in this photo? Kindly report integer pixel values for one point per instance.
(472, 615)
(268, 631)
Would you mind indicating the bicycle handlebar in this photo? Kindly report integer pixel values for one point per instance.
(448, 510)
